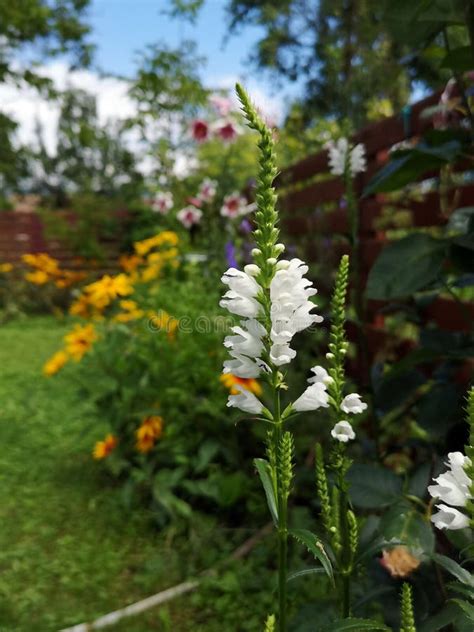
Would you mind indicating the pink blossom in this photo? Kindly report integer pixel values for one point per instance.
(207, 190)
(226, 130)
(200, 130)
(235, 205)
(195, 201)
(162, 202)
(222, 105)
(189, 216)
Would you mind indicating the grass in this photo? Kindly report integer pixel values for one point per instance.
(69, 550)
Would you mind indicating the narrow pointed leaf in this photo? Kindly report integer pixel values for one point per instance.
(314, 546)
(263, 469)
(454, 569)
(316, 570)
(465, 606)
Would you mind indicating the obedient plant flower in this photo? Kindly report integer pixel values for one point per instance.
(342, 156)
(449, 518)
(314, 397)
(189, 216)
(320, 375)
(240, 299)
(162, 202)
(207, 190)
(453, 488)
(353, 404)
(245, 400)
(199, 130)
(343, 432)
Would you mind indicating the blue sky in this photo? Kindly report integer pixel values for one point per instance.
(123, 27)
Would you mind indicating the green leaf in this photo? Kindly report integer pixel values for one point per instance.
(263, 469)
(459, 59)
(355, 625)
(467, 607)
(372, 486)
(316, 570)
(314, 546)
(406, 524)
(406, 266)
(440, 620)
(457, 571)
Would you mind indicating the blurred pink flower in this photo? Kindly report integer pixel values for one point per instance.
(235, 205)
(189, 216)
(207, 190)
(222, 105)
(226, 130)
(162, 202)
(200, 130)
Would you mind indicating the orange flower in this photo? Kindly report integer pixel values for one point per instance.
(55, 363)
(399, 562)
(102, 449)
(80, 340)
(150, 430)
(231, 381)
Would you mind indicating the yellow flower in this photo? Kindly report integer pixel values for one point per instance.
(168, 237)
(81, 307)
(102, 292)
(102, 449)
(80, 340)
(399, 561)
(55, 363)
(149, 431)
(38, 277)
(42, 261)
(130, 263)
(5, 267)
(151, 272)
(231, 381)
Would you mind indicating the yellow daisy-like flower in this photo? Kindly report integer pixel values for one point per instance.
(102, 292)
(231, 381)
(38, 277)
(42, 261)
(80, 340)
(167, 237)
(130, 263)
(149, 431)
(55, 363)
(102, 449)
(6, 267)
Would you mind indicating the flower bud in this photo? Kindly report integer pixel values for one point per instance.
(256, 252)
(283, 264)
(252, 270)
(330, 356)
(271, 261)
(279, 248)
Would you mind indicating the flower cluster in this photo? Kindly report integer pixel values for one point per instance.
(343, 157)
(77, 343)
(45, 269)
(452, 490)
(223, 128)
(150, 430)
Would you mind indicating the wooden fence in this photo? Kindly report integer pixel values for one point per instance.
(313, 213)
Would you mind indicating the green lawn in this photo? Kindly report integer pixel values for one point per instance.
(69, 551)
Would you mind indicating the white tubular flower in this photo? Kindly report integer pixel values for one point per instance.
(162, 202)
(240, 299)
(449, 518)
(457, 462)
(343, 432)
(242, 366)
(352, 404)
(245, 400)
(357, 162)
(247, 341)
(337, 155)
(281, 354)
(314, 397)
(341, 154)
(320, 375)
(290, 304)
(449, 490)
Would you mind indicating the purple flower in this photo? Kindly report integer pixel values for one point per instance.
(245, 226)
(230, 255)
